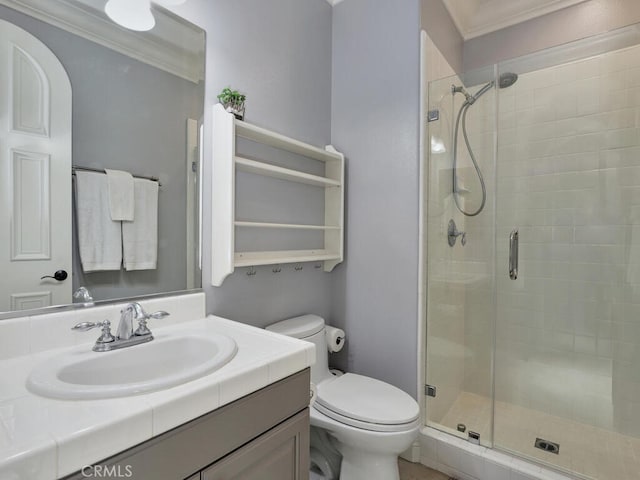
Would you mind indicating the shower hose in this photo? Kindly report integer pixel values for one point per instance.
(462, 114)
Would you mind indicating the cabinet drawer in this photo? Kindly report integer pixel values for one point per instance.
(280, 454)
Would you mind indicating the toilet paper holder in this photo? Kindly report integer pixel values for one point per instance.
(335, 338)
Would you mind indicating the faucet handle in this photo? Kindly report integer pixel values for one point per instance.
(106, 336)
(142, 322)
(86, 326)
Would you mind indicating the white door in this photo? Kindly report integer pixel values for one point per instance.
(35, 173)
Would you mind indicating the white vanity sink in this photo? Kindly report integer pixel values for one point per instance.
(168, 360)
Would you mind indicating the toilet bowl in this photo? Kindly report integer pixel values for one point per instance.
(325, 459)
(370, 422)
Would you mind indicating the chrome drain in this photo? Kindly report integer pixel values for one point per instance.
(547, 446)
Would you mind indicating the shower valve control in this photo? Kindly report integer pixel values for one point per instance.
(453, 234)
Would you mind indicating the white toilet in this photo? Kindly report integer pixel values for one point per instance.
(369, 421)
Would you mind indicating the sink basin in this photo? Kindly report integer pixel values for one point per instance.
(166, 361)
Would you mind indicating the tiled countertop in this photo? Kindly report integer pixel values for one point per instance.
(42, 438)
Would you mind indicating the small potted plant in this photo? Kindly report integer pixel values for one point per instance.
(233, 102)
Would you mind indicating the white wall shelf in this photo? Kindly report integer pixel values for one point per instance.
(288, 226)
(248, 259)
(260, 168)
(267, 137)
(226, 130)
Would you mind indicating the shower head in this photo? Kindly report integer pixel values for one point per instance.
(504, 80)
(507, 79)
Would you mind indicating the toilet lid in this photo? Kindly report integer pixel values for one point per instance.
(298, 327)
(366, 400)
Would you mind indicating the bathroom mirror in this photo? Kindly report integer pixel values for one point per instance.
(136, 104)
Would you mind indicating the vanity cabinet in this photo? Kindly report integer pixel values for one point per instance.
(274, 455)
(264, 435)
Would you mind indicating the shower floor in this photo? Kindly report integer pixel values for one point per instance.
(589, 451)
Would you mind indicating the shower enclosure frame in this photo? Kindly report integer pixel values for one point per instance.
(573, 52)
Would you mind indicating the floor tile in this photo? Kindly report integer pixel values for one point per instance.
(584, 449)
(416, 471)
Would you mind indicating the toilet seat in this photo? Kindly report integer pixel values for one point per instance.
(366, 403)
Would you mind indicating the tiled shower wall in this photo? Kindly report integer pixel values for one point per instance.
(568, 177)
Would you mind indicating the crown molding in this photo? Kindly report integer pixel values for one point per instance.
(173, 45)
(474, 18)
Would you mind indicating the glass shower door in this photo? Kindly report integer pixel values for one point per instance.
(460, 252)
(568, 332)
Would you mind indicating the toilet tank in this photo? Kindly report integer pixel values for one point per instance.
(311, 329)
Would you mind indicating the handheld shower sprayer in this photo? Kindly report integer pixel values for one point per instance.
(505, 80)
(483, 90)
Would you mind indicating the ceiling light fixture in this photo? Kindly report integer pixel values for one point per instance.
(168, 3)
(135, 14)
(132, 14)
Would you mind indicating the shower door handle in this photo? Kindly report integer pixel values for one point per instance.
(513, 254)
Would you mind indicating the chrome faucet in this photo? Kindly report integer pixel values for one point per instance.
(85, 297)
(128, 314)
(134, 311)
(125, 335)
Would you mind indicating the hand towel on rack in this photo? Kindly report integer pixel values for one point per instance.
(140, 237)
(99, 237)
(121, 196)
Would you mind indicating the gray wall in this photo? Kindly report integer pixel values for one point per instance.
(279, 54)
(375, 108)
(573, 23)
(368, 110)
(436, 21)
(131, 116)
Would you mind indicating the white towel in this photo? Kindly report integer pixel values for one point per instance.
(99, 237)
(121, 197)
(140, 237)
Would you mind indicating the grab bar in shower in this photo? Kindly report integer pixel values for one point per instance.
(513, 254)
